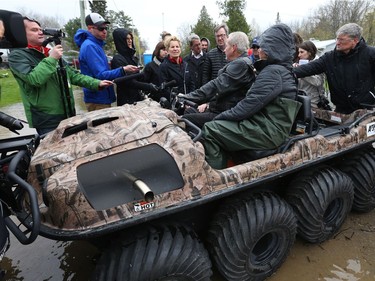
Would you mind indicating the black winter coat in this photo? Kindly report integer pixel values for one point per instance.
(179, 72)
(126, 93)
(196, 68)
(274, 81)
(215, 61)
(351, 77)
(228, 88)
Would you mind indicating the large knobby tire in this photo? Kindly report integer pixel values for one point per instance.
(361, 169)
(250, 238)
(162, 253)
(321, 199)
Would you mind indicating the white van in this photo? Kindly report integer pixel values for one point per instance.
(4, 55)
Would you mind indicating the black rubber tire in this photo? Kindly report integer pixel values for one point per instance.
(361, 169)
(162, 253)
(250, 238)
(321, 199)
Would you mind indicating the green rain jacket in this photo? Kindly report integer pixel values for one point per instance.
(41, 90)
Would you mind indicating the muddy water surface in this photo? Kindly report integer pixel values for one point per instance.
(349, 256)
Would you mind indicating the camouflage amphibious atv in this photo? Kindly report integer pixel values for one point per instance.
(134, 179)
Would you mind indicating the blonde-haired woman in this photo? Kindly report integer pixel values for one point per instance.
(174, 68)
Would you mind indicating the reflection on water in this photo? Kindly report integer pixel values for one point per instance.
(49, 260)
(347, 257)
(352, 272)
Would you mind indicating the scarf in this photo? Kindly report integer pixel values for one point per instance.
(41, 49)
(175, 60)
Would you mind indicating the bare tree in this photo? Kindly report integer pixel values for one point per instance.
(324, 23)
(51, 21)
(183, 33)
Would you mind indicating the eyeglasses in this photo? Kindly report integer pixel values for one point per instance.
(221, 35)
(101, 28)
(343, 40)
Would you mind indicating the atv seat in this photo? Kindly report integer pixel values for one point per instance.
(302, 128)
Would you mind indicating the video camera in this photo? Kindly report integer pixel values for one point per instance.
(56, 35)
(55, 32)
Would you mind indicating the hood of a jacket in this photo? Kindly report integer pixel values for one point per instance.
(277, 42)
(208, 41)
(119, 38)
(81, 35)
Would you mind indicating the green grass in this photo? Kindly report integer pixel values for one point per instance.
(9, 91)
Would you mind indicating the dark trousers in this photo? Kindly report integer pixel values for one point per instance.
(199, 118)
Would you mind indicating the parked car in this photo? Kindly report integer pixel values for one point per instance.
(71, 57)
(4, 58)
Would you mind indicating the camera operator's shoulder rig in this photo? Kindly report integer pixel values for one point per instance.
(14, 30)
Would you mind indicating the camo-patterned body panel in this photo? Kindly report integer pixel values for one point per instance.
(139, 125)
(338, 118)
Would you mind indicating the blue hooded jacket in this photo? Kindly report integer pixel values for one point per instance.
(93, 62)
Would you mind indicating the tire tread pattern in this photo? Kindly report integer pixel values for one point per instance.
(312, 194)
(361, 169)
(240, 224)
(163, 252)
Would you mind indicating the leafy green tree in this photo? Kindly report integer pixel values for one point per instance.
(205, 26)
(233, 10)
(99, 6)
(119, 19)
(71, 28)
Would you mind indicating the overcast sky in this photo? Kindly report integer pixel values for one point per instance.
(151, 17)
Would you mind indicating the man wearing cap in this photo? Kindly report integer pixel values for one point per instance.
(45, 98)
(93, 61)
(255, 46)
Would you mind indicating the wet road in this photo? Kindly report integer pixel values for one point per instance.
(349, 256)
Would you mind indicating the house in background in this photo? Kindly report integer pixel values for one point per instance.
(324, 46)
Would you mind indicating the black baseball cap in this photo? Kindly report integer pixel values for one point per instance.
(95, 19)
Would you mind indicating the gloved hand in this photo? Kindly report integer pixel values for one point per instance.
(181, 95)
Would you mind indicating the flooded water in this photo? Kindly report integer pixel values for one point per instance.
(349, 256)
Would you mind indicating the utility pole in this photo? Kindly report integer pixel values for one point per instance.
(82, 13)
